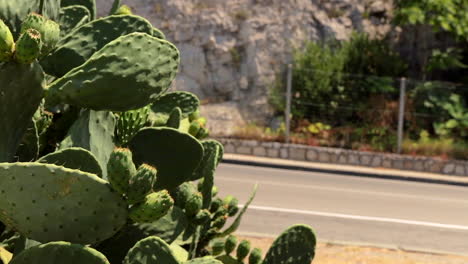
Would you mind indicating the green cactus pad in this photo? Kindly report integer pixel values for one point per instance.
(296, 245)
(89, 4)
(74, 158)
(81, 43)
(151, 250)
(217, 246)
(194, 115)
(209, 165)
(129, 81)
(232, 205)
(158, 34)
(194, 128)
(168, 228)
(212, 150)
(19, 83)
(58, 253)
(141, 183)
(7, 43)
(94, 131)
(28, 46)
(72, 17)
(174, 118)
(129, 123)
(230, 244)
(255, 256)
(155, 206)
(120, 169)
(47, 203)
(204, 260)
(187, 102)
(243, 250)
(14, 12)
(28, 150)
(174, 154)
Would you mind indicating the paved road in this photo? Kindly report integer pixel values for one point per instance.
(408, 215)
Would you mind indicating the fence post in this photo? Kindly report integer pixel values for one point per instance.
(401, 113)
(287, 110)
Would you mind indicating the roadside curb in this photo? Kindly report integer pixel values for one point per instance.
(345, 170)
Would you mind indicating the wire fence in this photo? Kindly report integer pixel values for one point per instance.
(365, 112)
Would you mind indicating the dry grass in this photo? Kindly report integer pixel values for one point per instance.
(342, 254)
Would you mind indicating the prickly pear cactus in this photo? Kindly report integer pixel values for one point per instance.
(74, 158)
(141, 183)
(121, 169)
(151, 250)
(47, 203)
(296, 245)
(58, 252)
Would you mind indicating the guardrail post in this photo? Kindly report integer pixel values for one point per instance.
(287, 111)
(401, 113)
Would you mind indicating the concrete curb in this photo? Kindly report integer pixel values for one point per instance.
(345, 170)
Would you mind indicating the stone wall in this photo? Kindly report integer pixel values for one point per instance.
(344, 157)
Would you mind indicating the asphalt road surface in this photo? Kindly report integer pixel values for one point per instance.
(393, 213)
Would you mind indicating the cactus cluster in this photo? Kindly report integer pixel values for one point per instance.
(98, 162)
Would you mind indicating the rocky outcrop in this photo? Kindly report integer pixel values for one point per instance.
(234, 50)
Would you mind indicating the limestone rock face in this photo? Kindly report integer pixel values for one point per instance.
(233, 50)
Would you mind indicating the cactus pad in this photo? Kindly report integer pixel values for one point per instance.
(7, 43)
(187, 102)
(28, 150)
(151, 250)
(174, 154)
(230, 244)
(141, 183)
(94, 131)
(174, 118)
(19, 83)
(58, 253)
(204, 260)
(129, 80)
(89, 4)
(74, 158)
(120, 169)
(28, 46)
(72, 17)
(47, 203)
(129, 123)
(155, 206)
(194, 204)
(182, 193)
(243, 250)
(296, 245)
(82, 42)
(255, 256)
(48, 29)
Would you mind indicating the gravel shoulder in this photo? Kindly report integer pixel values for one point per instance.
(328, 253)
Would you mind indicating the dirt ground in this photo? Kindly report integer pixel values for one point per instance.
(340, 254)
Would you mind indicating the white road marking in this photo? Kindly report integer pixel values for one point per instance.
(358, 217)
(363, 192)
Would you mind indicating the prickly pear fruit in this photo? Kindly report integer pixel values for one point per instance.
(214, 191)
(194, 115)
(120, 169)
(155, 206)
(217, 247)
(28, 46)
(124, 10)
(202, 217)
(49, 30)
(141, 184)
(7, 43)
(194, 128)
(203, 133)
(182, 193)
(194, 204)
(232, 205)
(216, 204)
(219, 222)
(243, 250)
(222, 211)
(230, 244)
(255, 256)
